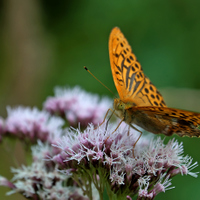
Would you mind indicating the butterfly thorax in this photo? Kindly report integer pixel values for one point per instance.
(120, 107)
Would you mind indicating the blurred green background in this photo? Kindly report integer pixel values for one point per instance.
(45, 43)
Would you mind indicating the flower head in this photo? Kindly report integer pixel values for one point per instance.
(77, 106)
(33, 124)
(104, 153)
(41, 180)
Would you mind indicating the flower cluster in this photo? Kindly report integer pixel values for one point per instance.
(42, 180)
(77, 106)
(121, 169)
(32, 124)
(71, 163)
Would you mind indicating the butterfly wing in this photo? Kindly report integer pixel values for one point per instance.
(166, 120)
(131, 83)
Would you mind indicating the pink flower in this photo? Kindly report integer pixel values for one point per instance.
(104, 153)
(5, 182)
(43, 180)
(78, 106)
(33, 124)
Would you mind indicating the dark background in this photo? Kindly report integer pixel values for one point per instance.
(46, 43)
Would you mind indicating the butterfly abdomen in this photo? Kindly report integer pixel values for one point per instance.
(141, 119)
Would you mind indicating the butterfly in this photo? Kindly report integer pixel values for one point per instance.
(139, 101)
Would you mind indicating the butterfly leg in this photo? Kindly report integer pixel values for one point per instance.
(105, 118)
(128, 130)
(113, 112)
(135, 128)
(130, 125)
(137, 139)
(118, 125)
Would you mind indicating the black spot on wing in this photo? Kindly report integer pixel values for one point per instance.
(151, 88)
(162, 102)
(132, 68)
(155, 103)
(136, 65)
(131, 57)
(118, 68)
(120, 81)
(184, 122)
(146, 90)
(128, 60)
(116, 55)
(173, 113)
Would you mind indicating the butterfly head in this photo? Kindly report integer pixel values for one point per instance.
(120, 108)
(118, 104)
(121, 105)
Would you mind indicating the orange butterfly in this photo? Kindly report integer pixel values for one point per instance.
(140, 102)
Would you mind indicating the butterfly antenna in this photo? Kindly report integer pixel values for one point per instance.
(98, 80)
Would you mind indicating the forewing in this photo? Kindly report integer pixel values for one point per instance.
(131, 83)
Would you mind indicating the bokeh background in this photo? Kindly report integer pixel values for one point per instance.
(46, 43)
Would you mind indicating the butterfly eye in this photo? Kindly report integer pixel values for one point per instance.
(121, 106)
